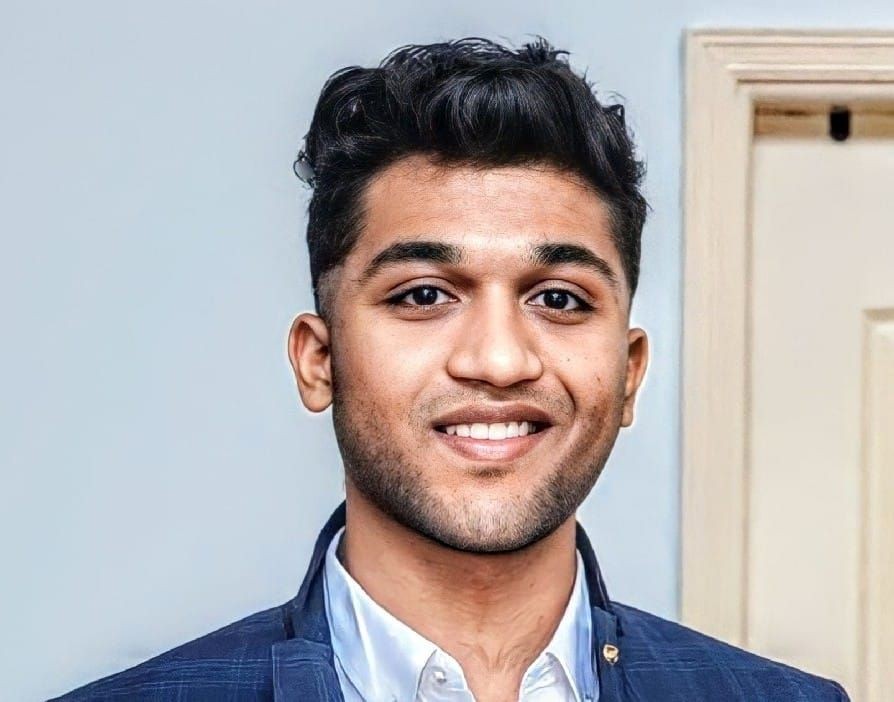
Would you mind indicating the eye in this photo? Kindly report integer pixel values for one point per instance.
(562, 301)
(420, 296)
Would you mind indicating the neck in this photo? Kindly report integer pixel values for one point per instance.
(493, 613)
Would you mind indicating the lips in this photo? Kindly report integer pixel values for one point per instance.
(492, 432)
(494, 414)
(500, 450)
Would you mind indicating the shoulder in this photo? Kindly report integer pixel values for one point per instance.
(233, 662)
(658, 654)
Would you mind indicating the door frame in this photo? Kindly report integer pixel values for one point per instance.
(729, 73)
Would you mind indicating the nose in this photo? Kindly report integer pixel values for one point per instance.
(495, 344)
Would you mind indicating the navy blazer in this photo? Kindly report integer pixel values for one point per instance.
(285, 654)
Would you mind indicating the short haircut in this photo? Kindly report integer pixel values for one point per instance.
(465, 102)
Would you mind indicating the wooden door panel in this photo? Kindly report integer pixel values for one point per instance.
(822, 278)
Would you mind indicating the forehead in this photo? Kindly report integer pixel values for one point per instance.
(493, 213)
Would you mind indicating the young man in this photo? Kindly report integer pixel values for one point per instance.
(474, 238)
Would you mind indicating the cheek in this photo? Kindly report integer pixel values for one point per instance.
(385, 366)
(590, 368)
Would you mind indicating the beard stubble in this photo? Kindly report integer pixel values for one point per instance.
(392, 482)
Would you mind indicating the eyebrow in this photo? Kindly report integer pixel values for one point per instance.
(559, 254)
(404, 251)
(546, 255)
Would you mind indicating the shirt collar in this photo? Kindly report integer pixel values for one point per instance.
(572, 642)
(365, 637)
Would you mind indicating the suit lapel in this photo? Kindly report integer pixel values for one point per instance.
(607, 648)
(303, 664)
(302, 671)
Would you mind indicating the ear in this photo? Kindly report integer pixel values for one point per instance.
(637, 360)
(308, 348)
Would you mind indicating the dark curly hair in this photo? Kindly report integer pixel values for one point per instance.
(472, 102)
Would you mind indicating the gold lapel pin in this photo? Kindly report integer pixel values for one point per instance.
(611, 653)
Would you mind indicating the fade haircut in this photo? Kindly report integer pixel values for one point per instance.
(465, 102)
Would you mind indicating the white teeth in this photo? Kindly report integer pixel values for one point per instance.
(493, 432)
(479, 431)
(496, 432)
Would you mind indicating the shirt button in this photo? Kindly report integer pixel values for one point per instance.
(439, 676)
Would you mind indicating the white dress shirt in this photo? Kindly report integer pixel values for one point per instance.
(378, 658)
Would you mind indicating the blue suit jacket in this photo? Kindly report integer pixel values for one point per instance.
(285, 654)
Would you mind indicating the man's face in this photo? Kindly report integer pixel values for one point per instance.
(481, 362)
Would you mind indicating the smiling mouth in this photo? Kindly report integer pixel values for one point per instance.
(495, 431)
(492, 442)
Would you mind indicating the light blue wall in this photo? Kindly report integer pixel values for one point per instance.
(159, 477)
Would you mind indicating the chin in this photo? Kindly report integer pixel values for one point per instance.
(493, 524)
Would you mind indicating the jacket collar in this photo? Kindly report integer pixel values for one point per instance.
(303, 666)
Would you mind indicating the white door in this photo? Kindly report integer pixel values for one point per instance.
(820, 574)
